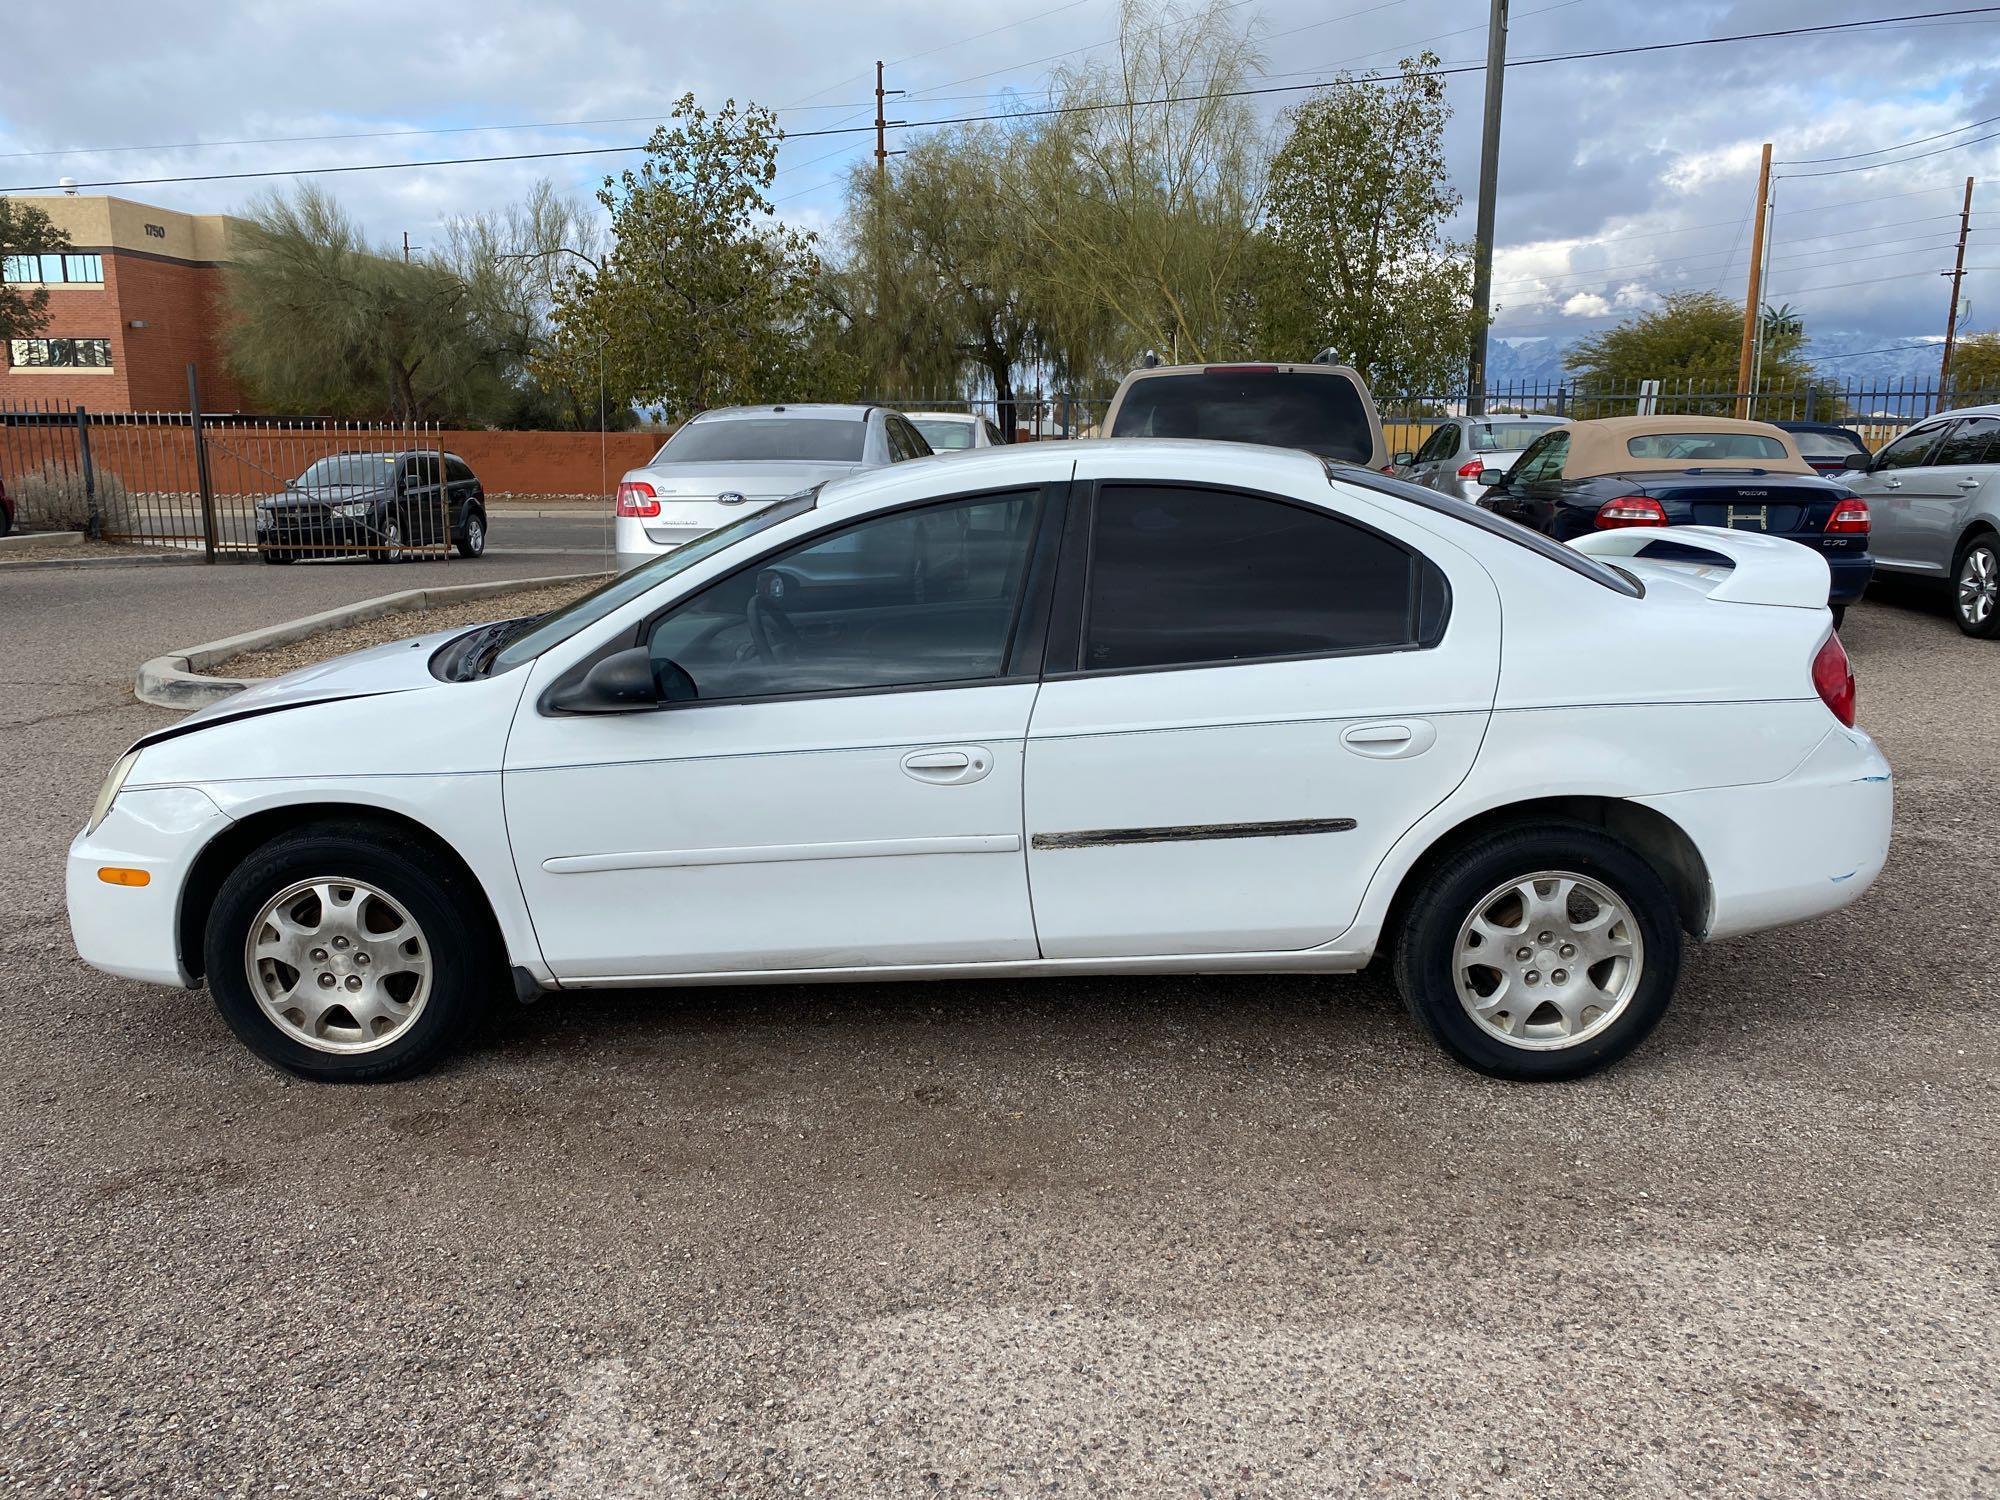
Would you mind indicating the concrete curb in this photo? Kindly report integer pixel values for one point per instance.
(40, 541)
(177, 679)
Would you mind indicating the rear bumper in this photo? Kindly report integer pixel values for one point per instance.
(134, 931)
(1849, 578)
(1789, 850)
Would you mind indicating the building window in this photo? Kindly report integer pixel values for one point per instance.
(53, 270)
(60, 354)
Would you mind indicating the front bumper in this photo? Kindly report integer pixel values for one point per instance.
(134, 931)
(1799, 847)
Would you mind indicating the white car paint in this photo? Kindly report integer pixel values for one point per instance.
(895, 833)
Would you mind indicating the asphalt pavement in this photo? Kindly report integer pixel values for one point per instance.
(1190, 1237)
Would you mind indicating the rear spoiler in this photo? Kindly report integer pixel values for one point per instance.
(1763, 569)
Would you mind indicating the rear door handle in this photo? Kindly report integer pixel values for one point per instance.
(1968, 484)
(1894, 484)
(948, 767)
(1390, 740)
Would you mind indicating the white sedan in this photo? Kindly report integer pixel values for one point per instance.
(1140, 708)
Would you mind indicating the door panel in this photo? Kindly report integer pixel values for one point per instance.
(787, 834)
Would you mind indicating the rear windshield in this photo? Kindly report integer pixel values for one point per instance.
(1705, 447)
(831, 440)
(1507, 437)
(943, 435)
(1828, 444)
(1323, 414)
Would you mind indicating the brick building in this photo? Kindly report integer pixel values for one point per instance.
(134, 301)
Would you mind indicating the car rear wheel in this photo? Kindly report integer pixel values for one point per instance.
(345, 958)
(472, 538)
(1540, 952)
(1975, 588)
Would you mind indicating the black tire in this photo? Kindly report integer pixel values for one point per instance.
(274, 557)
(6, 520)
(1964, 606)
(471, 538)
(448, 911)
(1839, 614)
(1454, 886)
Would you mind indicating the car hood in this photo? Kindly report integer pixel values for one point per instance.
(766, 479)
(399, 667)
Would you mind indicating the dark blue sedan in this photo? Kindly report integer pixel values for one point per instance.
(1686, 471)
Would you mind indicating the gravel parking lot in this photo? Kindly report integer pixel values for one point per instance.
(1200, 1237)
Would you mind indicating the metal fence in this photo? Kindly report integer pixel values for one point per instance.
(186, 481)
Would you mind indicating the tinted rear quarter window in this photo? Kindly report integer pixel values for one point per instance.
(1321, 413)
(836, 440)
(1182, 576)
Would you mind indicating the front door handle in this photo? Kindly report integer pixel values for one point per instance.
(1894, 484)
(1968, 484)
(953, 766)
(1390, 739)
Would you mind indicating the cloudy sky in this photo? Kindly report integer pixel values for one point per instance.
(1621, 177)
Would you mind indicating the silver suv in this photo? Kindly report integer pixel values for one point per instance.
(1460, 449)
(1934, 509)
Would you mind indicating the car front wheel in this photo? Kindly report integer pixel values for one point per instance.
(345, 957)
(1976, 588)
(1540, 952)
(472, 537)
(390, 548)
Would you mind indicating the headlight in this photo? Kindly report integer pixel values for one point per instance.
(108, 793)
(354, 510)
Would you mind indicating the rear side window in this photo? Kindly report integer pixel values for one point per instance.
(1970, 442)
(833, 440)
(1321, 413)
(1705, 447)
(1183, 576)
(1909, 450)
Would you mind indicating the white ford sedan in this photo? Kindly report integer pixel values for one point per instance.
(1126, 707)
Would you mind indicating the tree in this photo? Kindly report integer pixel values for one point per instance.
(1975, 368)
(1144, 196)
(1354, 256)
(26, 230)
(1690, 344)
(320, 321)
(699, 303)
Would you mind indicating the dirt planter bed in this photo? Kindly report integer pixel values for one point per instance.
(187, 677)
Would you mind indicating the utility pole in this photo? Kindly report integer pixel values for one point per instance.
(1957, 278)
(881, 128)
(1489, 179)
(406, 247)
(1750, 302)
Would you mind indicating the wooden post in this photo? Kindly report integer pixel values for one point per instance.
(1756, 291)
(1957, 278)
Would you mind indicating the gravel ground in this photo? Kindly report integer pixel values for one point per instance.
(316, 648)
(1183, 1237)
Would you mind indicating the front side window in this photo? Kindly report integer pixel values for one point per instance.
(59, 354)
(1970, 442)
(1543, 460)
(1439, 446)
(909, 599)
(1909, 450)
(1189, 576)
(1706, 447)
(833, 440)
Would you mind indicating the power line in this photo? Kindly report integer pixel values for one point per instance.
(1815, 161)
(1068, 109)
(1898, 162)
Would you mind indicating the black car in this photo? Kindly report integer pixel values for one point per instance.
(1685, 471)
(383, 506)
(1827, 446)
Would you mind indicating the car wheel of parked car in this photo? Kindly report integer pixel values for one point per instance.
(270, 555)
(1976, 587)
(391, 546)
(344, 957)
(472, 537)
(1839, 615)
(1540, 952)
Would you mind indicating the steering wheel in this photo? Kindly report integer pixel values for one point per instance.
(771, 631)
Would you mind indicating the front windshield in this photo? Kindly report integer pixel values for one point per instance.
(348, 468)
(944, 433)
(559, 625)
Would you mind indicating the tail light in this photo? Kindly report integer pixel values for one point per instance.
(1850, 515)
(1389, 469)
(1473, 469)
(1630, 510)
(636, 498)
(1833, 680)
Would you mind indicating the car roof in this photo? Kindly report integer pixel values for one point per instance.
(823, 410)
(1597, 446)
(1991, 409)
(1234, 366)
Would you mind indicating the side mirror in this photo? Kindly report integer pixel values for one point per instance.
(1857, 463)
(1405, 458)
(620, 683)
(1491, 477)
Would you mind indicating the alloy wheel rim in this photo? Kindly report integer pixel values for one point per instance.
(1978, 585)
(338, 965)
(392, 542)
(1547, 960)
(475, 535)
